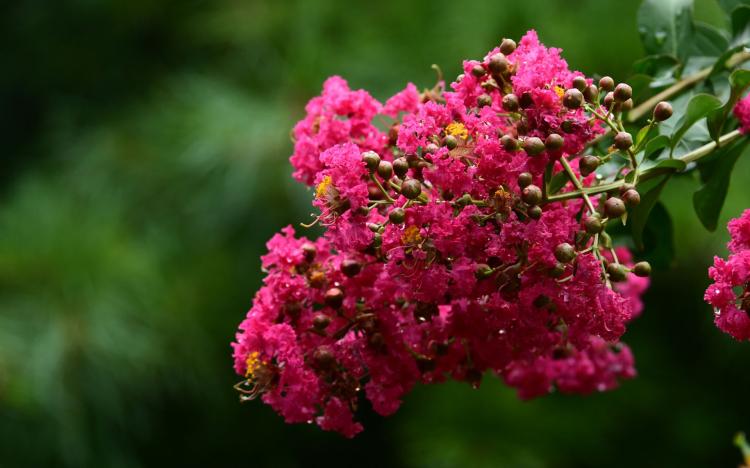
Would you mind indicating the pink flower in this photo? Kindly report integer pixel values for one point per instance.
(406, 100)
(742, 112)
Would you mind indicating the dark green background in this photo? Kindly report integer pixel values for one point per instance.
(144, 165)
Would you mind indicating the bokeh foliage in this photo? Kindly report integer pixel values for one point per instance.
(144, 166)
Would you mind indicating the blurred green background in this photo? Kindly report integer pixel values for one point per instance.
(144, 165)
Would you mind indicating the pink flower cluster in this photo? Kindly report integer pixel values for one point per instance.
(730, 292)
(439, 259)
(742, 112)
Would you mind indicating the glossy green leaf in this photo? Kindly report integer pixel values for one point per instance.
(666, 26)
(707, 41)
(741, 25)
(709, 198)
(650, 192)
(658, 238)
(655, 144)
(739, 81)
(699, 106)
(557, 182)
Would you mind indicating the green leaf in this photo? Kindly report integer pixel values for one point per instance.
(665, 26)
(655, 144)
(666, 166)
(698, 107)
(729, 5)
(709, 198)
(707, 41)
(557, 182)
(658, 238)
(721, 62)
(650, 192)
(741, 25)
(739, 81)
(661, 69)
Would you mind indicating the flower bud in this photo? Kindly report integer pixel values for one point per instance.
(614, 207)
(557, 271)
(450, 141)
(334, 298)
(532, 195)
(588, 164)
(572, 99)
(309, 251)
(321, 321)
(590, 93)
(507, 46)
(533, 146)
(431, 148)
(535, 212)
(554, 142)
(498, 64)
(525, 179)
(385, 169)
(642, 269)
(623, 92)
(350, 267)
(509, 143)
(397, 215)
(526, 100)
(623, 141)
(400, 167)
(607, 83)
(616, 272)
(411, 188)
(478, 71)
(568, 126)
(631, 197)
(565, 253)
(324, 357)
(482, 271)
(510, 102)
(593, 224)
(371, 159)
(579, 83)
(627, 105)
(662, 111)
(484, 100)
(609, 99)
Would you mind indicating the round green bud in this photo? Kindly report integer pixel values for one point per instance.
(614, 207)
(554, 142)
(623, 141)
(509, 143)
(397, 215)
(568, 126)
(565, 253)
(411, 188)
(607, 83)
(532, 195)
(591, 93)
(400, 167)
(572, 99)
(324, 357)
(309, 251)
(526, 100)
(533, 146)
(431, 148)
(450, 141)
(350, 267)
(334, 298)
(631, 197)
(662, 111)
(498, 64)
(593, 224)
(507, 46)
(609, 99)
(580, 83)
(510, 102)
(484, 100)
(557, 271)
(588, 164)
(371, 159)
(627, 105)
(385, 169)
(478, 71)
(642, 269)
(616, 272)
(535, 212)
(623, 92)
(525, 179)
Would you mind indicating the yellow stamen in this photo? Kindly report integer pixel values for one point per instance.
(457, 129)
(253, 364)
(560, 91)
(411, 236)
(322, 189)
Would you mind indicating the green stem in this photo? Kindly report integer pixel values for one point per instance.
(692, 156)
